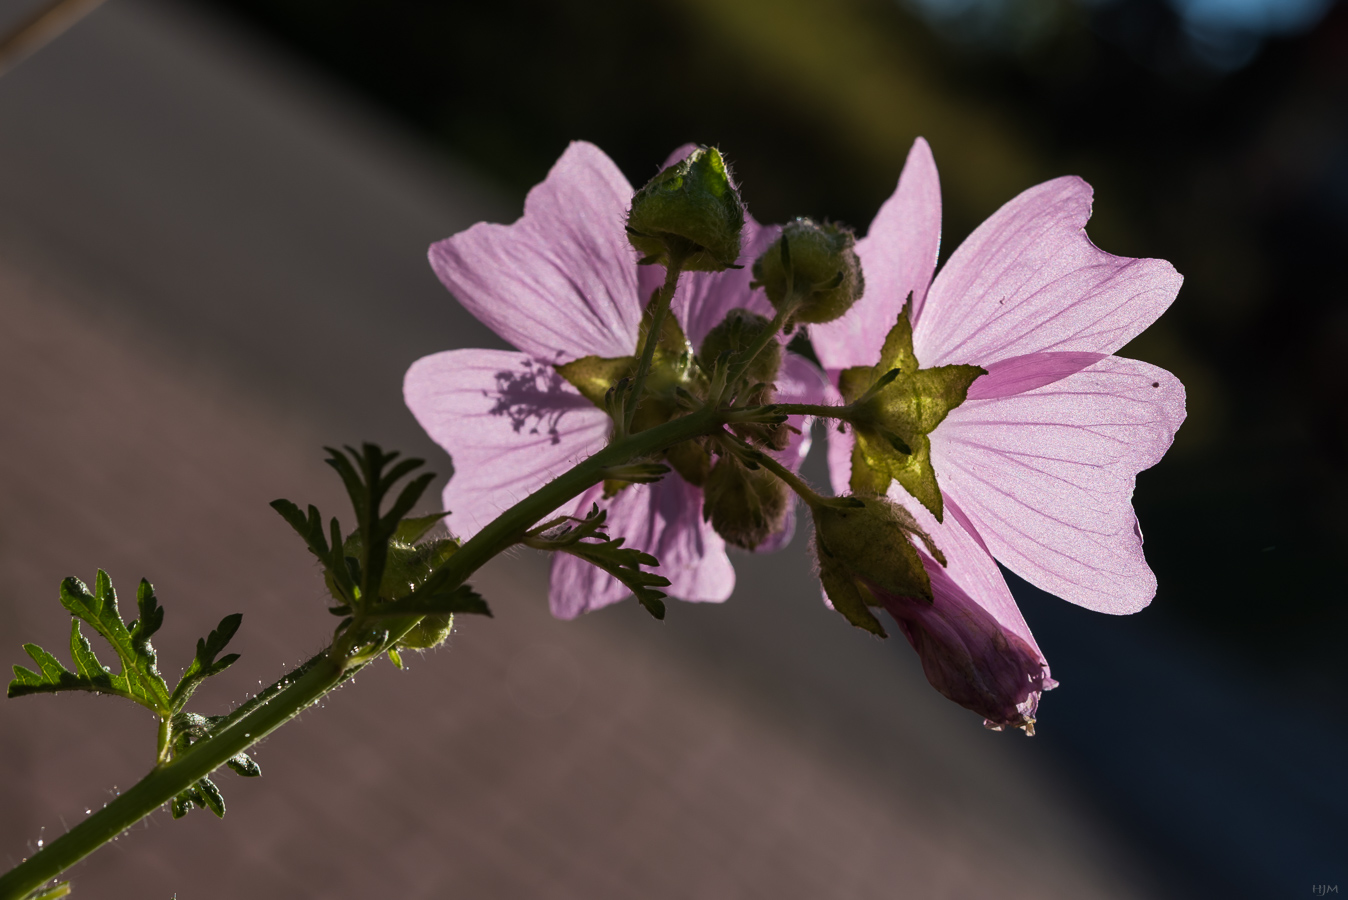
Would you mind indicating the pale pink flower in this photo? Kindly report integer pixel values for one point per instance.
(562, 283)
(1037, 466)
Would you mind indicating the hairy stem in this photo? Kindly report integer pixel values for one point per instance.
(299, 689)
(811, 497)
(813, 409)
(663, 297)
(746, 357)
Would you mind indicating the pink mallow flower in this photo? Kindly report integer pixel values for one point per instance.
(1036, 467)
(562, 283)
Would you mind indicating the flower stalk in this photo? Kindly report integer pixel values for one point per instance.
(308, 683)
(663, 297)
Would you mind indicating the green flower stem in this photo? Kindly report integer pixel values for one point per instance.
(281, 702)
(793, 301)
(811, 497)
(663, 298)
(811, 409)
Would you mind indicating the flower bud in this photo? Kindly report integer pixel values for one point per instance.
(690, 209)
(406, 565)
(867, 559)
(816, 262)
(970, 657)
(744, 505)
(430, 632)
(738, 331)
(691, 460)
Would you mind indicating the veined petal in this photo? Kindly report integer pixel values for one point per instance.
(840, 443)
(560, 283)
(1028, 280)
(663, 519)
(1025, 373)
(798, 381)
(970, 575)
(974, 643)
(509, 422)
(1046, 477)
(898, 256)
(969, 565)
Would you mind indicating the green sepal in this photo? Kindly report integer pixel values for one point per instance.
(872, 544)
(847, 599)
(671, 370)
(409, 531)
(899, 405)
(593, 376)
(691, 209)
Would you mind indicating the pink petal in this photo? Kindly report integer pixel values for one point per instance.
(969, 565)
(970, 575)
(898, 255)
(559, 283)
(1025, 373)
(1046, 477)
(663, 519)
(1028, 280)
(798, 382)
(970, 571)
(509, 422)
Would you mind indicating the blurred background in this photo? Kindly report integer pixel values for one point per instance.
(213, 219)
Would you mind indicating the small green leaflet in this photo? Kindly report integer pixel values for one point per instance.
(203, 794)
(585, 540)
(204, 664)
(139, 679)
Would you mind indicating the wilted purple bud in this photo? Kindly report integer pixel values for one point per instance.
(968, 656)
(868, 558)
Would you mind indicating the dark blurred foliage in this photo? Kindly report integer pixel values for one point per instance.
(1238, 177)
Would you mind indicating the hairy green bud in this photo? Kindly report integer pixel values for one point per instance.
(818, 261)
(692, 210)
(744, 505)
(429, 633)
(737, 332)
(691, 460)
(406, 567)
